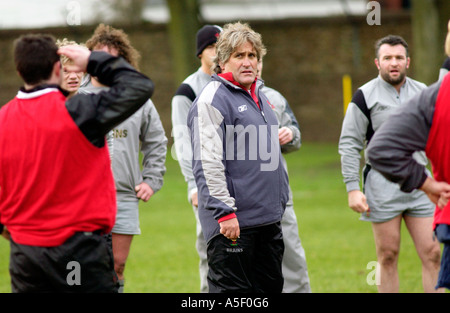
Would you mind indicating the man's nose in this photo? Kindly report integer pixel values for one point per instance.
(246, 62)
(394, 61)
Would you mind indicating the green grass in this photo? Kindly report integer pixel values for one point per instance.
(338, 246)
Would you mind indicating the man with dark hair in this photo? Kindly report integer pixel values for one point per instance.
(392, 40)
(382, 202)
(423, 124)
(57, 194)
(386, 75)
(35, 69)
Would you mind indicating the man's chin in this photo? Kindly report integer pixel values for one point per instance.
(72, 89)
(394, 80)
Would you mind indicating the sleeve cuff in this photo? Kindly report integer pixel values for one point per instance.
(409, 186)
(227, 217)
(352, 185)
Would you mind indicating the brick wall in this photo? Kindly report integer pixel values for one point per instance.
(306, 60)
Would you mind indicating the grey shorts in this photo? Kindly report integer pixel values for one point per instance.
(127, 218)
(386, 200)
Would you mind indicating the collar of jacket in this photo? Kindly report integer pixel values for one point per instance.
(229, 77)
(39, 90)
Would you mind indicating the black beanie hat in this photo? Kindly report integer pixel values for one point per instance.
(206, 36)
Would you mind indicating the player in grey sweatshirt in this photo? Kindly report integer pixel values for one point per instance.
(382, 202)
(143, 133)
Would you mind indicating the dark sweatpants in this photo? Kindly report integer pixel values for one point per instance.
(251, 264)
(83, 263)
(443, 235)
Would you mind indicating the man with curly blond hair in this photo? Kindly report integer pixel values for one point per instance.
(143, 133)
(71, 80)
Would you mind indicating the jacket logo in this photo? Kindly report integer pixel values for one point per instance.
(242, 108)
(378, 107)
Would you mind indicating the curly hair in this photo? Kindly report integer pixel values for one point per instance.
(65, 42)
(105, 35)
(232, 36)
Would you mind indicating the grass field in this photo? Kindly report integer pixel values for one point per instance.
(338, 246)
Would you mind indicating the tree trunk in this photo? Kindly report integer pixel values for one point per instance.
(428, 53)
(444, 16)
(183, 26)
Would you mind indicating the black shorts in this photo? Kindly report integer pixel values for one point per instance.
(251, 264)
(83, 263)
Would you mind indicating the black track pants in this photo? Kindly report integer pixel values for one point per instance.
(83, 263)
(251, 264)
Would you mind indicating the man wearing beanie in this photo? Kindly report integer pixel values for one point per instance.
(294, 262)
(181, 103)
(207, 36)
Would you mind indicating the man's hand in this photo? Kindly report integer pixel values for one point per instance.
(194, 199)
(438, 192)
(443, 199)
(6, 233)
(357, 201)
(144, 191)
(285, 135)
(79, 56)
(230, 228)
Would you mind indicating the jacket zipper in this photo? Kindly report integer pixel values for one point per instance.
(258, 107)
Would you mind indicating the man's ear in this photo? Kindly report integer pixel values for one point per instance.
(377, 63)
(57, 68)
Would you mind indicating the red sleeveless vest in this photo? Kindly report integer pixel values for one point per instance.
(438, 145)
(53, 181)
